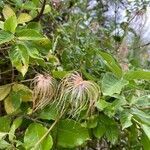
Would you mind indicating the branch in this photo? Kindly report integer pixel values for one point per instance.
(143, 45)
(38, 17)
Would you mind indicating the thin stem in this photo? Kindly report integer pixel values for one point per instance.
(52, 126)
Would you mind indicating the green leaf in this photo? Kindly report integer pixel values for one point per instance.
(141, 116)
(10, 24)
(145, 142)
(29, 6)
(2, 135)
(23, 17)
(9, 108)
(112, 85)
(49, 113)
(59, 74)
(25, 92)
(34, 25)
(15, 99)
(16, 123)
(5, 122)
(91, 121)
(143, 101)
(146, 130)
(125, 119)
(100, 130)
(71, 134)
(44, 45)
(47, 9)
(1, 25)
(20, 58)
(5, 37)
(108, 127)
(102, 104)
(4, 144)
(4, 91)
(111, 63)
(33, 134)
(138, 75)
(29, 34)
(7, 12)
(112, 133)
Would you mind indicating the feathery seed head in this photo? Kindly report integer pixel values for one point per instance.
(44, 88)
(78, 93)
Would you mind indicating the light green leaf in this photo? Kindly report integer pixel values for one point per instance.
(111, 63)
(29, 34)
(4, 144)
(25, 92)
(146, 130)
(24, 17)
(143, 101)
(20, 58)
(139, 75)
(9, 108)
(7, 12)
(29, 5)
(1, 25)
(141, 116)
(5, 37)
(4, 91)
(12, 102)
(71, 134)
(2, 135)
(125, 119)
(10, 24)
(112, 85)
(47, 9)
(33, 134)
(16, 123)
(102, 104)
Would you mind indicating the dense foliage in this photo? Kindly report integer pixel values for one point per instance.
(69, 83)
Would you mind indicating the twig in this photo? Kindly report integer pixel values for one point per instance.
(38, 17)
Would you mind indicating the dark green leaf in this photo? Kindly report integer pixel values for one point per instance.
(111, 63)
(71, 134)
(49, 113)
(5, 122)
(145, 142)
(112, 133)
